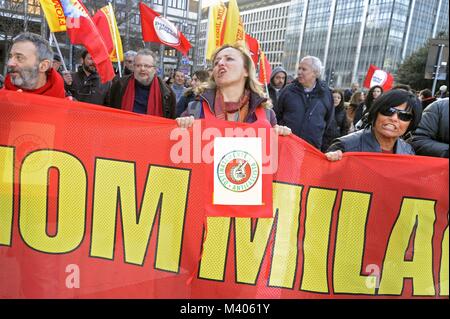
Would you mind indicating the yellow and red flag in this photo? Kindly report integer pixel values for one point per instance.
(216, 22)
(82, 30)
(264, 69)
(234, 27)
(106, 24)
(54, 14)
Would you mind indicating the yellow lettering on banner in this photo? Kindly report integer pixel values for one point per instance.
(165, 191)
(419, 214)
(319, 211)
(71, 201)
(443, 275)
(6, 194)
(286, 199)
(212, 264)
(350, 241)
(250, 251)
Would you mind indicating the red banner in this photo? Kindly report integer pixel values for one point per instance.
(102, 203)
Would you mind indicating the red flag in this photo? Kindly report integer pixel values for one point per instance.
(106, 24)
(101, 22)
(376, 76)
(158, 29)
(264, 69)
(253, 46)
(82, 30)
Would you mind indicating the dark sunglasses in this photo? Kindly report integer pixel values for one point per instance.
(402, 115)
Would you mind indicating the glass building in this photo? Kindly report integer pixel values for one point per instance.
(347, 35)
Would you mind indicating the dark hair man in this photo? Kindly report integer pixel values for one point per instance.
(277, 82)
(85, 84)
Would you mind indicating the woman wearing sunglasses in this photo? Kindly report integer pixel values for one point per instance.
(391, 116)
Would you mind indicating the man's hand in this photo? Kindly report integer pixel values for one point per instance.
(334, 156)
(282, 130)
(67, 77)
(185, 122)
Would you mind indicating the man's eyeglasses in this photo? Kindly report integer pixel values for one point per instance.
(402, 115)
(144, 66)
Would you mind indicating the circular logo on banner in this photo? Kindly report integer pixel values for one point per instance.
(379, 77)
(25, 145)
(166, 31)
(238, 171)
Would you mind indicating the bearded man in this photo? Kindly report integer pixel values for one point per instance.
(143, 91)
(29, 67)
(85, 85)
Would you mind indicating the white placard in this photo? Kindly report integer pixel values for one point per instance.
(237, 171)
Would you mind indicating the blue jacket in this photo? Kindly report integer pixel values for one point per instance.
(306, 114)
(365, 141)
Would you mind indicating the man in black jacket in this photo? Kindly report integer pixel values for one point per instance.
(306, 105)
(277, 82)
(143, 91)
(431, 136)
(85, 85)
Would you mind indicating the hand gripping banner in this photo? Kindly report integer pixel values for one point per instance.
(95, 204)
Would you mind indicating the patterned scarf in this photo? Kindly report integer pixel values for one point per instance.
(231, 111)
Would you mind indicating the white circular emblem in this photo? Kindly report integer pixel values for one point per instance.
(238, 171)
(379, 77)
(166, 31)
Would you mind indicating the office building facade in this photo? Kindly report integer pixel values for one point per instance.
(347, 35)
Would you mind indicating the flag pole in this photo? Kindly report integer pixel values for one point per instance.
(207, 36)
(111, 13)
(59, 52)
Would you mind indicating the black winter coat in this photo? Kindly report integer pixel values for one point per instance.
(339, 127)
(431, 136)
(118, 91)
(88, 89)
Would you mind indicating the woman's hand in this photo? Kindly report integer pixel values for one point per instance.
(185, 121)
(282, 130)
(334, 156)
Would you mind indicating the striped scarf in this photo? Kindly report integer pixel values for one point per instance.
(231, 111)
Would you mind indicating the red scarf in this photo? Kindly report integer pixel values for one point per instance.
(53, 87)
(238, 109)
(154, 103)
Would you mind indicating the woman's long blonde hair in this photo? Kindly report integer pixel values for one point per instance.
(251, 82)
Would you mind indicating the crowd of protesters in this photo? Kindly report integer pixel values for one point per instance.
(335, 121)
